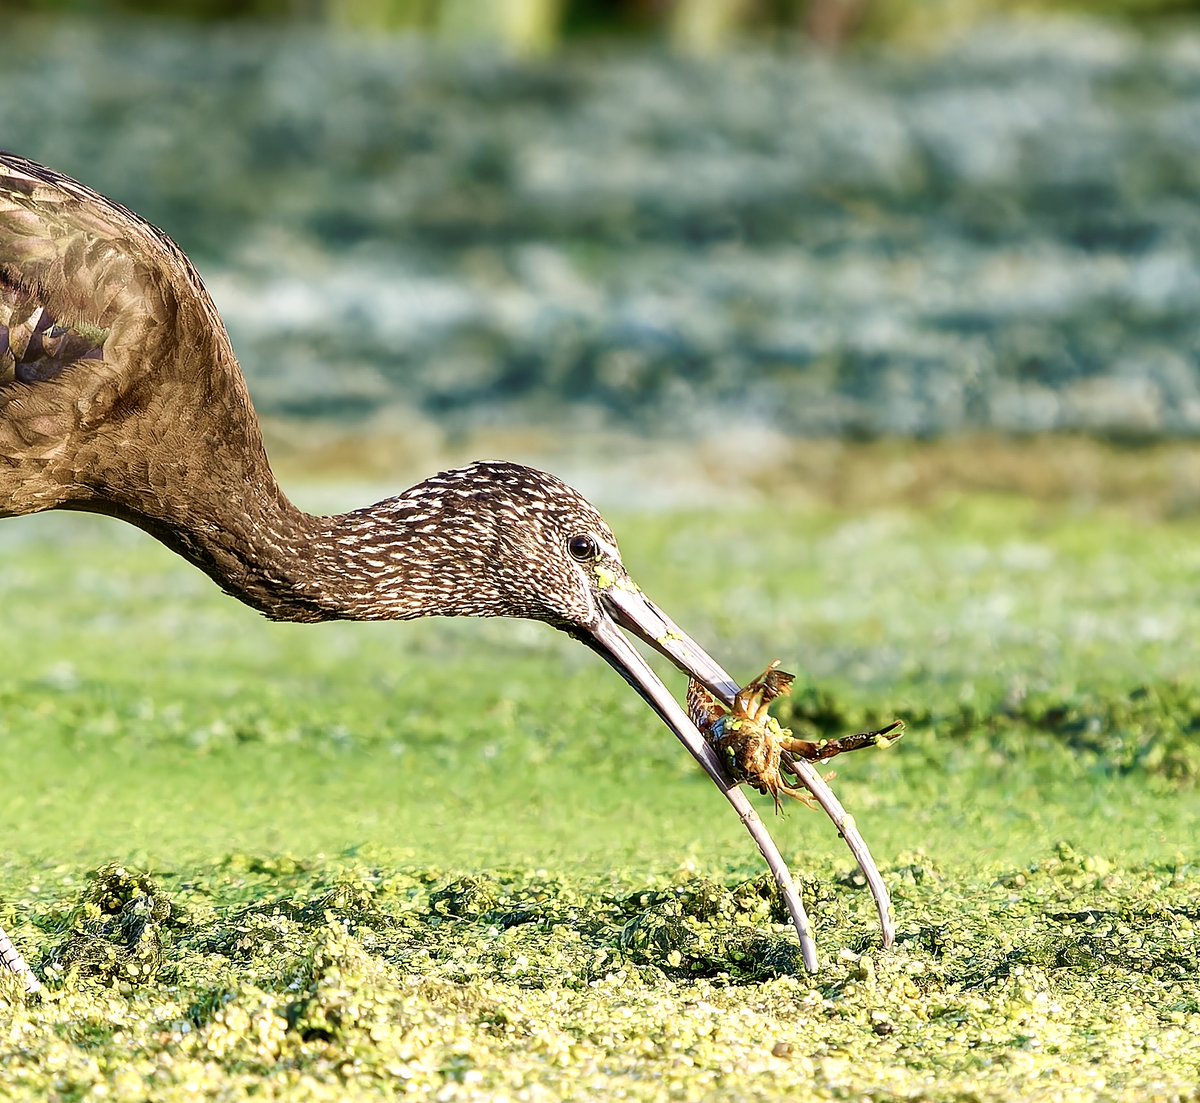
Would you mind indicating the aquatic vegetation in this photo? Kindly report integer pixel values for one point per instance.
(477, 240)
(115, 931)
(363, 979)
(277, 801)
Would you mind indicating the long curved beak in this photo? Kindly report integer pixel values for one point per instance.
(627, 607)
(604, 637)
(633, 610)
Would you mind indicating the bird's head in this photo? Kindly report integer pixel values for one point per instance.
(500, 539)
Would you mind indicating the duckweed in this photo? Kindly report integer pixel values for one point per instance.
(222, 841)
(1072, 978)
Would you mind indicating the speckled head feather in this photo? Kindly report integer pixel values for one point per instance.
(490, 539)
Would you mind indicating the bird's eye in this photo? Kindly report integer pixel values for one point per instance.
(583, 547)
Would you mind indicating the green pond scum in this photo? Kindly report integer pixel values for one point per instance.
(252, 861)
(1071, 978)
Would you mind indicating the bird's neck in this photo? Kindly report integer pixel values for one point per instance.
(261, 549)
(296, 566)
(207, 492)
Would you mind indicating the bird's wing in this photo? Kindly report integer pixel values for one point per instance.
(92, 298)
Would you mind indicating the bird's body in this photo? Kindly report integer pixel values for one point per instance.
(119, 391)
(120, 394)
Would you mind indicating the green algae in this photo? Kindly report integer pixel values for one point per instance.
(114, 931)
(1150, 729)
(347, 892)
(604, 577)
(1069, 979)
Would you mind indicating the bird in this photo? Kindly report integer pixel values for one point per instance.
(120, 394)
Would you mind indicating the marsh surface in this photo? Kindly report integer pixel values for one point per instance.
(357, 881)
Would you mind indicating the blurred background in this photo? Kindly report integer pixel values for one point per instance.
(719, 236)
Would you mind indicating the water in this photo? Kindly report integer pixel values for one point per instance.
(1003, 235)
